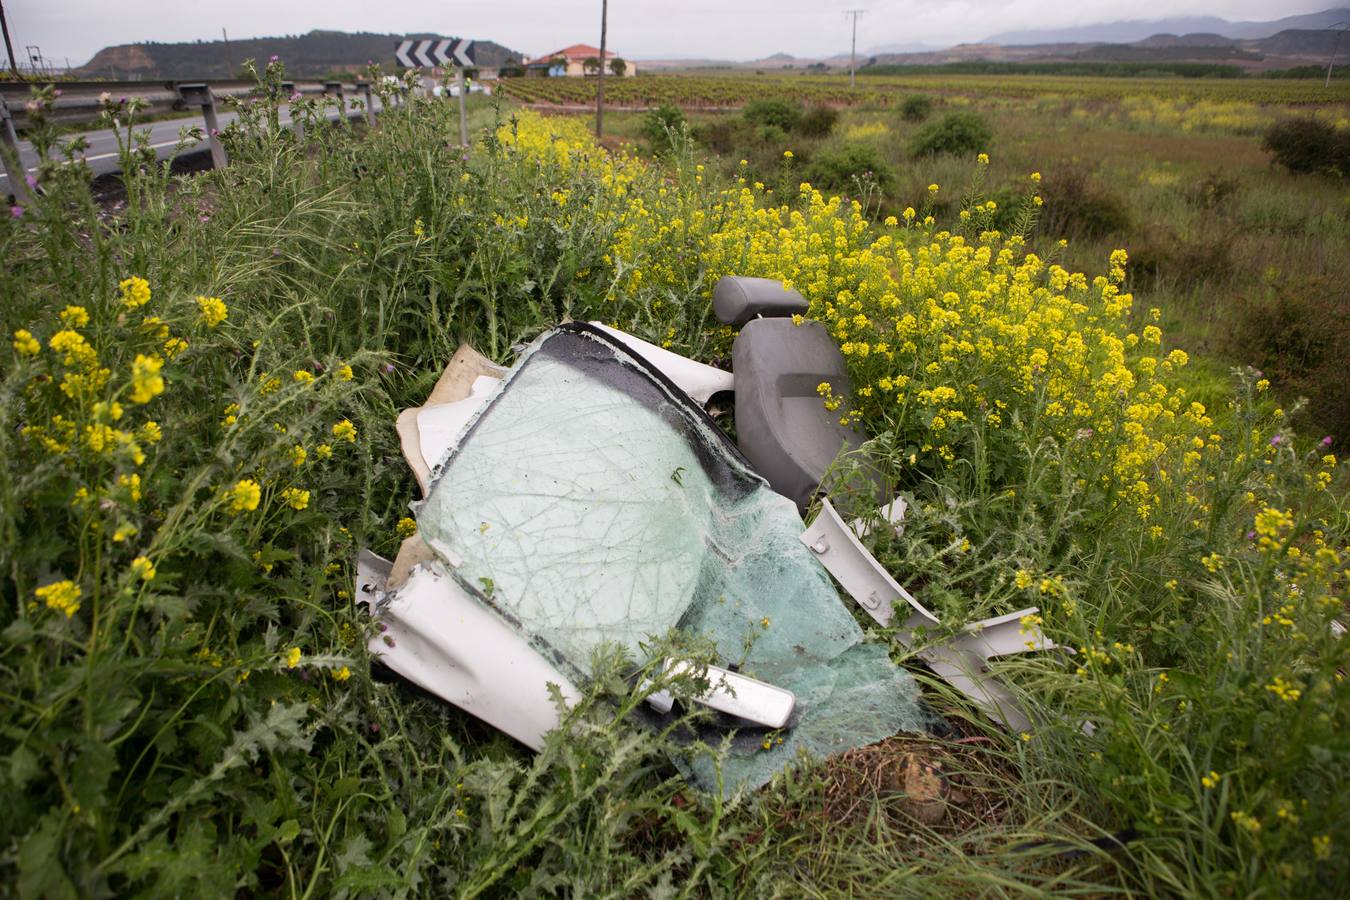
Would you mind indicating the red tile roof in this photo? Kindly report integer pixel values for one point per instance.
(576, 52)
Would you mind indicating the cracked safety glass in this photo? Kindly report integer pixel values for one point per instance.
(591, 502)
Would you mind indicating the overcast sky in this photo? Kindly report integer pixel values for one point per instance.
(733, 29)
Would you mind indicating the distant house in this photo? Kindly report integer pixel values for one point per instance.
(572, 61)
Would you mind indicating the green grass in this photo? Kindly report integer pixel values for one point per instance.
(160, 741)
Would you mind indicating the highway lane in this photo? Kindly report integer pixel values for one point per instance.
(101, 154)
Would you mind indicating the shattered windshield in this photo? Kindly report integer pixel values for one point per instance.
(591, 502)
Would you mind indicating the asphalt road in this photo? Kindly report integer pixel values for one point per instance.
(102, 152)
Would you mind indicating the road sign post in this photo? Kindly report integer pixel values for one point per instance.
(463, 122)
(201, 95)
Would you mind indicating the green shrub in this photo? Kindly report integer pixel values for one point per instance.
(1298, 336)
(1308, 146)
(840, 169)
(818, 121)
(778, 113)
(1079, 206)
(960, 134)
(718, 135)
(916, 107)
(663, 126)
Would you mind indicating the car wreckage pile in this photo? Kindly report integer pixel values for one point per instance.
(585, 498)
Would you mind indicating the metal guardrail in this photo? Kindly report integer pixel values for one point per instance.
(183, 96)
(80, 100)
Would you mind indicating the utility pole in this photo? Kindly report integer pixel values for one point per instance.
(600, 80)
(229, 63)
(854, 14)
(9, 48)
(1340, 29)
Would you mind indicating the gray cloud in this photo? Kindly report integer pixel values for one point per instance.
(76, 29)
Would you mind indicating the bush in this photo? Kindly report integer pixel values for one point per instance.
(718, 135)
(1077, 206)
(916, 107)
(1298, 336)
(1308, 146)
(838, 169)
(818, 121)
(960, 134)
(1162, 257)
(779, 113)
(1212, 191)
(663, 126)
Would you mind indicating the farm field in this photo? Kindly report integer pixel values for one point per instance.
(197, 438)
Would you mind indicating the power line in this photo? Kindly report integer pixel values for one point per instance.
(854, 14)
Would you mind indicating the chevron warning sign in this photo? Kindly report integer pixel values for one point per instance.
(427, 53)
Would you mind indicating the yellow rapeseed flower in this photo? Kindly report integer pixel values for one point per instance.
(26, 344)
(74, 317)
(146, 382)
(301, 376)
(213, 310)
(244, 496)
(296, 498)
(344, 372)
(135, 291)
(406, 527)
(142, 566)
(345, 431)
(293, 657)
(62, 596)
(323, 451)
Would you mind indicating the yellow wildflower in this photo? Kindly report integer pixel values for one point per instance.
(342, 674)
(62, 596)
(213, 310)
(344, 372)
(300, 376)
(406, 527)
(345, 431)
(135, 291)
(26, 344)
(146, 382)
(323, 451)
(293, 657)
(244, 496)
(74, 316)
(143, 567)
(296, 498)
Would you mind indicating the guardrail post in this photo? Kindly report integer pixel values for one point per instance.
(364, 88)
(201, 94)
(334, 88)
(18, 181)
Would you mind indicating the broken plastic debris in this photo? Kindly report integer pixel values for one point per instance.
(961, 661)
(442, 639)
(591, 502)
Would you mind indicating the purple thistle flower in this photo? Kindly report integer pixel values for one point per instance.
(16, 211)
(1276, 441)
(1326, 441)
(374, 727)
(1251, 535)
(32, 181)
(388, 368)
(273, 58)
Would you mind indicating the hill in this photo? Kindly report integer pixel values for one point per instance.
(1138, 30)
(307, 55)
